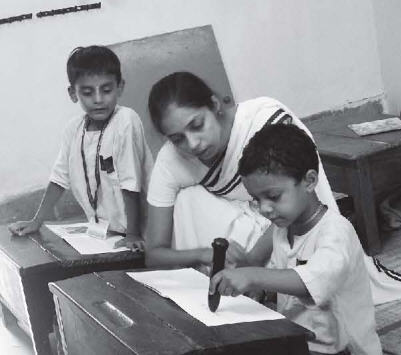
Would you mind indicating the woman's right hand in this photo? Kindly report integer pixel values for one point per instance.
(21, 228)
(206, 256)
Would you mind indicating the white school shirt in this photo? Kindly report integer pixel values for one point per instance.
(124, 141)
(340, 310)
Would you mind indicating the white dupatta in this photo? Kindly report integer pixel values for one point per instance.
(223, 179)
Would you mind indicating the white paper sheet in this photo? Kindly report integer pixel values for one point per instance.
(188, 288)
(75, 235)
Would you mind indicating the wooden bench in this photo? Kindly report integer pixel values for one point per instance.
(124, 317)
(28, 264)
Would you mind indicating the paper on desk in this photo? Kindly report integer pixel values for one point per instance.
(75, 235)
(377, 126)
(188, 288)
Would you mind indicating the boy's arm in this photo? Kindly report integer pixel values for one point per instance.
(132, 209)
(238, 281)
(51, 196)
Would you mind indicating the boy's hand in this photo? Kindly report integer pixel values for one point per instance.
(24, 227)
(235, 255)
(232, 282)
(131, 242)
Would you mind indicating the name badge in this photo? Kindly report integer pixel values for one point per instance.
(98, 230)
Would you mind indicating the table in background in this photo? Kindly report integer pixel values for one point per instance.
(28, 264)
(121, 316)
(367, 168)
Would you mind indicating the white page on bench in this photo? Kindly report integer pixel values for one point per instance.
(75, 235)
(188, 288)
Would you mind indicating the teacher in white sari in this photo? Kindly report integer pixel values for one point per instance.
(195, 193)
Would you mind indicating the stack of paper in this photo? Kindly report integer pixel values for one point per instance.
(188, 288)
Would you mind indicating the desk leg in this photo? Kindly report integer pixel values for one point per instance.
(365, 208)
(40, 308)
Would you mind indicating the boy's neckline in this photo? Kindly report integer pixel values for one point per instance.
(98, 125)
(308, 225)
(95, 125)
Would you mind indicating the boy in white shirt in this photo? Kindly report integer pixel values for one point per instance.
(104, 158)
(317, 265)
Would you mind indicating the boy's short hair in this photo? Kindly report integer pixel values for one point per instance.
(280, 149)
(92, 60)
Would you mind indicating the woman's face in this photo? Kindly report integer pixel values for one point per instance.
(195, 131)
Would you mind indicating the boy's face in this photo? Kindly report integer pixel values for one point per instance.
(97, 94)
(281, 198)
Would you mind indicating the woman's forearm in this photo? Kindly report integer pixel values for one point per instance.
(165, 256)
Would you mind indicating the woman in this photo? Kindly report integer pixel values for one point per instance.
(195, 192)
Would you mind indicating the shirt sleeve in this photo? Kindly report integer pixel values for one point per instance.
(328, 267)
(60, 172)
(163, 186)
(134, 159)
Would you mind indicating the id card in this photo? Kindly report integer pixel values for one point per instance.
(98, 230)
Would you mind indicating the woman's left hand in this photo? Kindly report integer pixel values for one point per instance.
(235, 256)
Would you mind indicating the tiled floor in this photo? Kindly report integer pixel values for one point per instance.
(14, 341)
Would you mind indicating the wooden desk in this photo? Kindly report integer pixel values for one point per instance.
(110, 313)
(27, 264)
(366, 168)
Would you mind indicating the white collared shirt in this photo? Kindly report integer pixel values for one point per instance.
(123, 141)
(329, 260)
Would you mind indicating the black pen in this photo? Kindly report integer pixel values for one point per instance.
(220, 246)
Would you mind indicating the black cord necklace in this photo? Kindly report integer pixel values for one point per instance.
(93, 199)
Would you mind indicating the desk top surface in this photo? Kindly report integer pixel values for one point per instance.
(154, 317)
(45, 248)
(334, 138)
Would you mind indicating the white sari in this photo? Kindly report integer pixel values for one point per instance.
(219, 205)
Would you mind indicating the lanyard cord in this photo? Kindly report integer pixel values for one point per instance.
(92, 199)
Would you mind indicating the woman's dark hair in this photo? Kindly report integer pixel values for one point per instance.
(280, 149)
(92, 60)
(181, 88)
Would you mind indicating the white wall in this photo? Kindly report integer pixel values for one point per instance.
(388, 24)
(313, 55)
